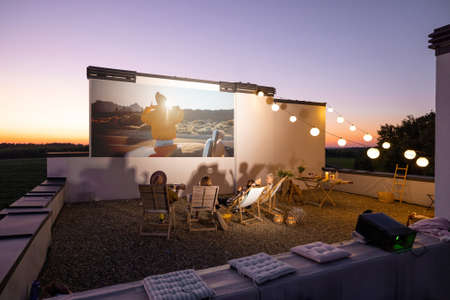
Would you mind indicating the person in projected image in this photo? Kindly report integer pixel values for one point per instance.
(219, 148)
(163, 120)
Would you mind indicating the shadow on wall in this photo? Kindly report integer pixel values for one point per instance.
(218, 177)
(115, 181)
(255, 172)
(119, 181)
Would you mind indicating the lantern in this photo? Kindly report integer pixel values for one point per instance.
(422, 162)
(314, 131)
(367, 137)
(410, 154)
(341, 142)
(373, 153)
(275, 107)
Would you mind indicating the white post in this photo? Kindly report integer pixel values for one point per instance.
(440, 42)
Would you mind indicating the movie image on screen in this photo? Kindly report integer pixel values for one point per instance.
(143, 120)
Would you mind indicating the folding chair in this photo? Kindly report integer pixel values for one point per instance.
(268, 199)
(245, 203)
(204, 198)
(155, 200)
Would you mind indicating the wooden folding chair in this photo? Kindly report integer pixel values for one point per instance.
(204, 198)
(155, 200)
(245, 203)
(267, 201)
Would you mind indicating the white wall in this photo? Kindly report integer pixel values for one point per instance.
(369, 185)
(264, 141)
(106, 178)
(442, 165)
(267, 141)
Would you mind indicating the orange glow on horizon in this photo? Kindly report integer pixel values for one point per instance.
(34, 138)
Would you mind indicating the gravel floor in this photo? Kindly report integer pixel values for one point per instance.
(97, 244)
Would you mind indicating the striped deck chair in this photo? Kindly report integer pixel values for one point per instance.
(268, 199)
(251, 198)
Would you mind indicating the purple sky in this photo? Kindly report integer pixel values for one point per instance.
(368, 59)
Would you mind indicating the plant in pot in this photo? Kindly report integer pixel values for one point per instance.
(284, 173)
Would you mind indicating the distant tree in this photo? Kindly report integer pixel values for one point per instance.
(413, 133)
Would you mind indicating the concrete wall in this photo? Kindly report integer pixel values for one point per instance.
(264, 141)
(369, 185)
(442, 166)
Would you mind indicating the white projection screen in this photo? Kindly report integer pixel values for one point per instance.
(160, 118)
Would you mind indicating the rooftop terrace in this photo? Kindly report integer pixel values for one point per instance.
(97, 244)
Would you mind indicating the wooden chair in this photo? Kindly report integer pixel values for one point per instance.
(155, 200)
(245, 202)
(204, 198)
(267, 201)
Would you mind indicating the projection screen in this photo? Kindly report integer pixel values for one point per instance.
(160, 118)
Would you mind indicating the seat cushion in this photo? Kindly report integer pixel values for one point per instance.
(261, 267)
(320, 252)
(185, 284)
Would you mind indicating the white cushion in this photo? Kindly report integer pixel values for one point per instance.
(320, 252)
(261, 267)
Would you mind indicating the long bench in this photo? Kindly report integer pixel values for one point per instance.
(370, 273)
(25, 236)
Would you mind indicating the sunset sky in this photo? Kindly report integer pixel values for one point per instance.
(368, 59)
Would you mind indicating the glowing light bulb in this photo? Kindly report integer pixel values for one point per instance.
(260, 94)
(352, 127)
(422, 162)
(386, 145)
(341, 142)
(293, 119)
(330, 109)
(275, 107)
(340, 119)
(367, 137)
(314, 131)
(373, 153)
(410, 154)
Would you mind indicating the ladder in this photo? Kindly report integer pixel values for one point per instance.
(399, 182)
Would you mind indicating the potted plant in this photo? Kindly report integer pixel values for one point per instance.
(300, 169)
(284, 173)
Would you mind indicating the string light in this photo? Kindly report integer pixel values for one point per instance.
(275, 107)
(314, 131)
(341, 142)
(410, 154)
(367, 137)
(373, 153)
(422, 162)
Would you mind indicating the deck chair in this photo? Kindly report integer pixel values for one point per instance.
(252, 197)
(267, 201)
(155, 200)
(204, 198)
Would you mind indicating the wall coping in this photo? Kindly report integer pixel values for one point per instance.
(381, 174)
